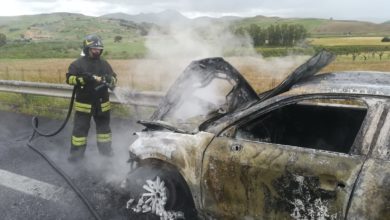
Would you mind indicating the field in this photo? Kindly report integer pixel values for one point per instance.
(157, 75)
(337, 41)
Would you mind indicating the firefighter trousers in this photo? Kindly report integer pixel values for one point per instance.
(81, 127)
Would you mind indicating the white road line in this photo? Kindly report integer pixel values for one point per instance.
(34, 187)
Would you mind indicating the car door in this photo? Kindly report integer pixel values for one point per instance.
(371, 196)
(288, 161)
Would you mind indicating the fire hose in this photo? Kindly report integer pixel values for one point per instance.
(52, 164)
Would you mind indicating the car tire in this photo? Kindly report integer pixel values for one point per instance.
(159, 191)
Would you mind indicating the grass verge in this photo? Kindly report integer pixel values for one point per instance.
(56, 108)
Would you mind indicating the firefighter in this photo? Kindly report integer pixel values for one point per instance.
(92, 76)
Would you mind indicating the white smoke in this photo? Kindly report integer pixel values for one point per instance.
(207, 40)
(171, 50)
(273, 67)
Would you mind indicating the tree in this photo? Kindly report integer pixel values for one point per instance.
(301, 33)
(255, 32)
(118, 39)
(3, 39)
(239, 31)
(271, 35)
(386, 39)
(274, 35)
(380, 55)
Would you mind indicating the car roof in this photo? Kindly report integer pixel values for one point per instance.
(348, 82)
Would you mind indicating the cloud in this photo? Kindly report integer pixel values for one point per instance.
(374, 10)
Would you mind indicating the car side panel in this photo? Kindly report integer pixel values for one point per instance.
(371, 197)
(255, 180)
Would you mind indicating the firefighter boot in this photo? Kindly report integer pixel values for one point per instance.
(105, 149)
(76, 154)
(104, 144)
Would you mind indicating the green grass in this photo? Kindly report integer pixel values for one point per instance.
(40, 50)
(284, 51)
(34, 105)
(54, 107)
(134, 49)
(349, 49)
(124, 50)
(352, 41)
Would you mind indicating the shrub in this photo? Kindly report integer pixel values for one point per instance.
(3, 39)
(386, 39)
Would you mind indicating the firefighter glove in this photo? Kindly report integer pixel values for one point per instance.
(77, 80)
(87, 79)
(111, 82)
(98, 79)
(80, 81)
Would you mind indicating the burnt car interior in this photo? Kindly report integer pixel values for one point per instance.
(325, 126)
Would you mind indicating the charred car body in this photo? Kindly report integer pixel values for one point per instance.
(315, 147)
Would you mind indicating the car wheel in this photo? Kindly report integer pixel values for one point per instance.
(159, 193)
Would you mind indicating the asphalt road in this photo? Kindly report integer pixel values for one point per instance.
(31, 189)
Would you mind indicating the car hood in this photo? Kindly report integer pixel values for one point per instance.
(207, 89)
(211, 88)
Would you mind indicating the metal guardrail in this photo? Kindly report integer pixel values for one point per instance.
(120, 95)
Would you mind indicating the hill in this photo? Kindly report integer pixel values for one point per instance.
(315, 26)
(59, 34)
(66, 27)
(72, 27)
(162, 18)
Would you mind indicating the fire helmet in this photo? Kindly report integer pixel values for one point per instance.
(92, 41)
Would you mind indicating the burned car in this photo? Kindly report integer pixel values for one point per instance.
(314, 147)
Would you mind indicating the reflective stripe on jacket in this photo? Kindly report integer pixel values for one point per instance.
(90, 92)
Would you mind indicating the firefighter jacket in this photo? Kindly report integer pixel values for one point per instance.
(91, 96)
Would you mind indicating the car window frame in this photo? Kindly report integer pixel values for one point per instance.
(281, 101)
(381, 146)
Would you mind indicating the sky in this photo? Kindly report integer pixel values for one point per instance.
(376, 11)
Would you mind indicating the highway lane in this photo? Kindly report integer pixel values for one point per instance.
(31, 189)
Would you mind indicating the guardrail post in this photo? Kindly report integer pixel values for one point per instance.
(132, 80)
(22, 72)
(39, 75)
(6, 73)
(160, 82)
(59, 76)
(137, 113)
